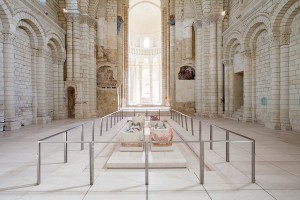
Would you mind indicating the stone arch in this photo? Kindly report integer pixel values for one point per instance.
(59, 44)
(31, 33)
(5, 17)
(289, 16)
(235, 36)
(251, 45)
(280, 11)
(23, 15)
(256, 22)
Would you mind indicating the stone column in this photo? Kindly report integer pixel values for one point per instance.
(220, 65)
(231, 87)
(198, 66)
(213, 67)
(76, 46)
(1, 85)
(61, 99)
(172, 66)
(69, 47)
(188, 40)
(284, 81)
(42, 115)
(205, 110)
(253, 85)
(92, 69)
(10, 120)
(85, 64)
(226, 99)
(247, 87)
(55, 88)
(274, 106)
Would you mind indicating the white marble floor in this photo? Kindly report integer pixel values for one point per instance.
(277, 167)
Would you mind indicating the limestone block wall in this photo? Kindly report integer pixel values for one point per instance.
(263, 79)
(268, 33)
(29, 70)
(294, 73)
(23, 78)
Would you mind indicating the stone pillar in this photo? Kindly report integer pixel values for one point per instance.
(10, 120)
(42, 115)
(76, 46)
(69, 47)
(205, 69)
(92, 68)
(220, 65)
(247, 87)
(85, 64)
(231, 87)
(226, 99)
(61, 99)
(188, 40)
(172, 66)
(274, 106)
(1, 85)
(55, 88)
(253, 68)
(213, 67)
(284, 82)
(198, 66)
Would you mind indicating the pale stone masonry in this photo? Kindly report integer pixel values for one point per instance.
(246, 56)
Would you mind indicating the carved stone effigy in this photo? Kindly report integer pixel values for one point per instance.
(133, 133)
(162, 133)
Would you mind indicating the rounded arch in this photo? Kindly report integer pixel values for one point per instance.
(30, 32)
(53, 48)
(261, 21)
(23, 15)
(253, 38)
(234, 37)
(5, 17)
(280, 11)
(289, 16)
(59, 45)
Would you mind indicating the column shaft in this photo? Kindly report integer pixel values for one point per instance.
(213, 68)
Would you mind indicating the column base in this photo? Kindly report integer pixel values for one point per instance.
(286, 127)
(11, 126)
(273, 125)
(43, 120)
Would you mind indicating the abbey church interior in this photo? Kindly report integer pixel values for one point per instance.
(233, 65)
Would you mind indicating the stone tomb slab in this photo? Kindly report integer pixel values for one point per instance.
(136, 160)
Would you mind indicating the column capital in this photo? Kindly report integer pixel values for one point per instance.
(40, 52)
(226, 62)
(61, 60)
(197, 24)
(213, 18)
(246, 53)
(54, 60)
(274, 39)
(92, 23)
(84, 19)
(72, 17)
(8, 38)
(285, 38)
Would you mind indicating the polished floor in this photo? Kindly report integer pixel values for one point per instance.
(277, 166)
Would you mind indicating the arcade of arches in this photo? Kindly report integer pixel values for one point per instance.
(238, 59)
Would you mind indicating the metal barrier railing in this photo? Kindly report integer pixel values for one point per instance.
(175, 115)
(178, 118)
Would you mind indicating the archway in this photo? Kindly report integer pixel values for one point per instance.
(71, 102)
(145, 54)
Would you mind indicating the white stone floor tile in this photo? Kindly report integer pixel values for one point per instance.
(285, 194)
(277, 167)
(240, 195)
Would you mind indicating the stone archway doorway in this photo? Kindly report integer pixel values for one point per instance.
(71, 102)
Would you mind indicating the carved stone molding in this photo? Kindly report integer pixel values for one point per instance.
(61, 60)
(92, 23)
(198, 24)
(72, 17)
(213, 18)
(274, 39)
(84, 19)
(285, 38)
(40, 52)
(246, 53)
(54, 60)
(226, 62)
(8, 38)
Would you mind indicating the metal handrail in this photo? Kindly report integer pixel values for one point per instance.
(146, 143)
(176, 114)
